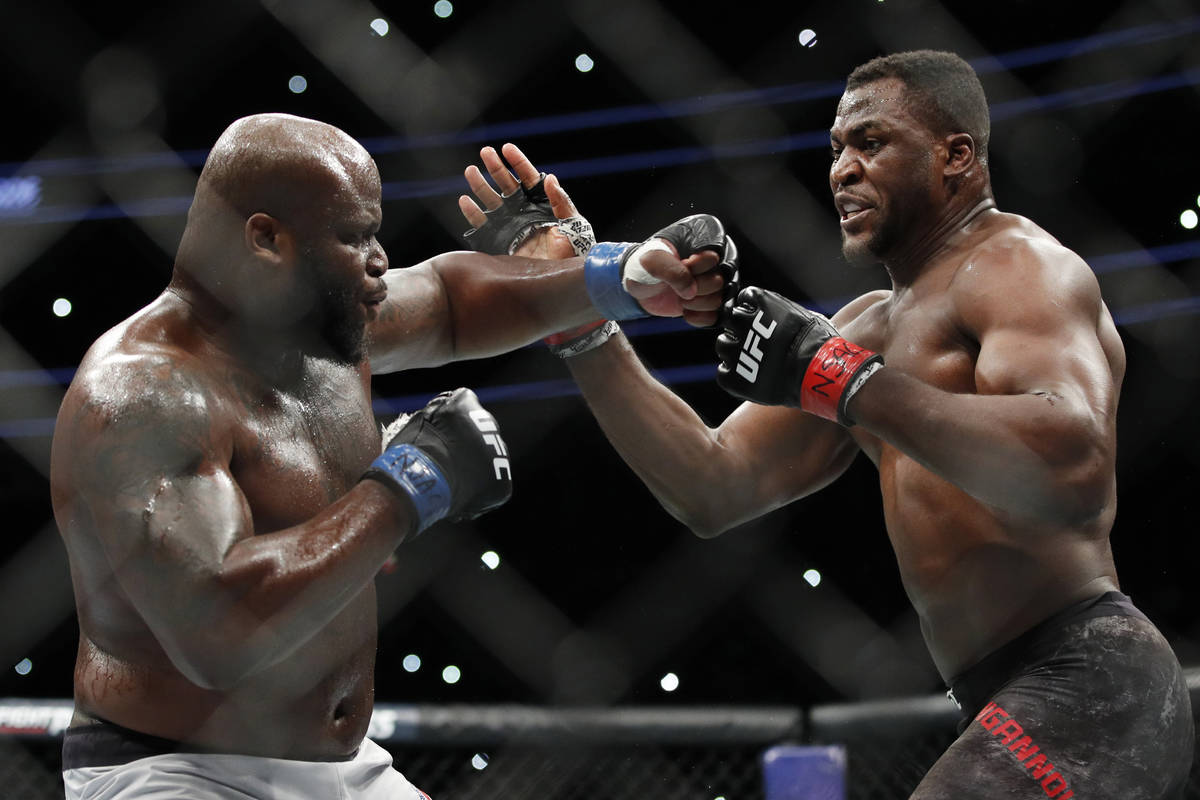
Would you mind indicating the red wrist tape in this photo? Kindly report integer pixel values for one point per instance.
(829, 374)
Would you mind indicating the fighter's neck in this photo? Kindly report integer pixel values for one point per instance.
(908, 264)
(275, 354)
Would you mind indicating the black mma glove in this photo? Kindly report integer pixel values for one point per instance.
(448, 459)
(610, 263)
(776, 352)
(511, 223)
(519, 215)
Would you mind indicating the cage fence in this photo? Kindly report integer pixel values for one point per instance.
(471, 752)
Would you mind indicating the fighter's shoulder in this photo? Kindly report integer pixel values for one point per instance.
(862, 317)
(127, 377)
(1016, 261)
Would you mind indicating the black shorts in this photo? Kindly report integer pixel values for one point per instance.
(1090, 703)
(105, 744)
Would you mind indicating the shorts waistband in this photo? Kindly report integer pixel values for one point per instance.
(106, 744)
(972, 687)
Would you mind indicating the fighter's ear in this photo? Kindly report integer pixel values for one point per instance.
(267, 238)
(960, 153)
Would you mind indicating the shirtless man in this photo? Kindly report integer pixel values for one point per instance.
(984, 387)
(217, 477)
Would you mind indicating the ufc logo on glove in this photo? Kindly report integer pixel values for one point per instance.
(487, 426)
(751, 355)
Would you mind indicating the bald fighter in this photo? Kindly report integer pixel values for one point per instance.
(218, 480)
(983, 385)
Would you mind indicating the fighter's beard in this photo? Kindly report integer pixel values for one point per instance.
(339, 325)
(346, 337)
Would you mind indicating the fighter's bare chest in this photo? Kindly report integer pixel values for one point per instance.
(921, 338)
(297, 451)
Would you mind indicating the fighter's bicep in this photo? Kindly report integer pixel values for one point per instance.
(166, 505)
(1063, 361)
(1042, 336)
(413, 326)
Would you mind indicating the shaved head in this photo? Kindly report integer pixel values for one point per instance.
(276, 198)
(278, 164)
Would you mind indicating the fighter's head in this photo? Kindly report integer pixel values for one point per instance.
(282, 229)
(910, 138)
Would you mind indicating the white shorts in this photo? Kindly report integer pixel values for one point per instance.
(203, 776)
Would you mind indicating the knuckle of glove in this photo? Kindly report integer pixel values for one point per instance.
(695, 233)
(751, 297)
(741, 315)
(729, 259)
(728, 346)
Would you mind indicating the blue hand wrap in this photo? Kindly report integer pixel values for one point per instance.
(602, 273)
(420, 478)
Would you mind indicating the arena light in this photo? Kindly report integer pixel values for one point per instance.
(411, 662)
(584, 62)
(1188, 219)
(669, 682)
(451, 674)
(479, 761)
(380, 26)
(807, 38)
(443, 8)
(812, 577)
(297, 83)
(491, 558)
(24, 666)
(61, 307)
(20, 192)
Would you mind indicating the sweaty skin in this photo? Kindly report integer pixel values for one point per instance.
(992, 424)
(207, 458)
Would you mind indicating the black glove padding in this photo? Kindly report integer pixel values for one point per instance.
(776, 352)
(700, 232)
(462, 440)
(729, 271)
(509, 223)
(705, 232)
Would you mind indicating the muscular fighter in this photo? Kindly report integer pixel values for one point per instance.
(218, 482)
(983, 385)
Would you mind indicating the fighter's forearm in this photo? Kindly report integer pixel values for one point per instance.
(711, 479)
(657, 434)
(1034, 455)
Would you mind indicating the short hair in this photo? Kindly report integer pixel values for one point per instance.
(944, 92)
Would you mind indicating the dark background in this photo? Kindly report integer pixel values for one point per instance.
(1096, 118)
